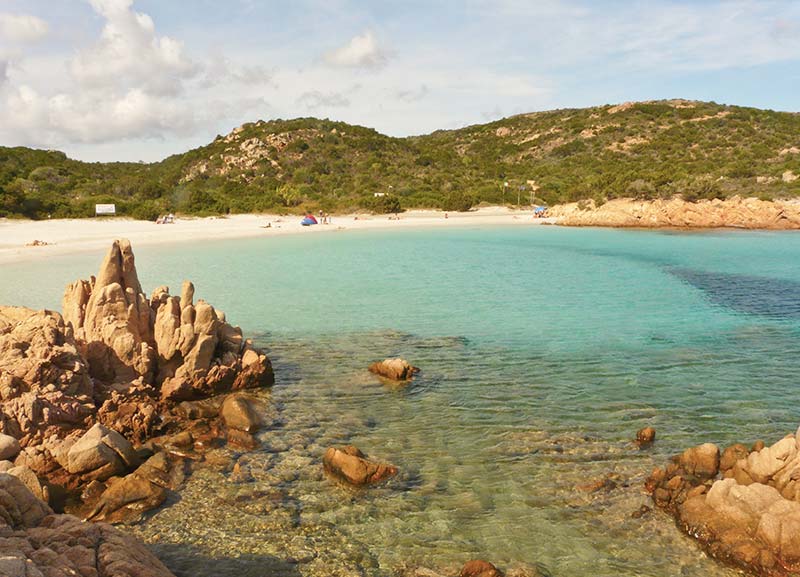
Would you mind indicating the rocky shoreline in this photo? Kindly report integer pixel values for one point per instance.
(102, 412)
(741, 504)
(734, 212)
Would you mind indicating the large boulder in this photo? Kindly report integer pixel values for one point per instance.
(240, 411)
(9, 447)
(396, 369)
(353, 466)
(702, 461)
(101, 453)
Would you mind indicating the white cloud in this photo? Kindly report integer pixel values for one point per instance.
(315, 99)
(22, 27)
(362, 51)
(130, 53)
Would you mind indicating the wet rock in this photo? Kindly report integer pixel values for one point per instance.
(9, 447)
(240, 411)
(396, 369)
(127, 499)
(353, 466)
(479, 568)
(645, 437)
(702, 461)
(101, 453)
(731, 455)
(241, 439)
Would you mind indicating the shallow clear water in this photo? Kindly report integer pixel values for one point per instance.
(543, 351)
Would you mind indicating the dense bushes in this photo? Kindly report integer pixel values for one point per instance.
(649, 150)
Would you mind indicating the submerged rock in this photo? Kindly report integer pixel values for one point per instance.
(479, 568)
(353, 466)
(395, 369)
(240, 411)
(646, 436)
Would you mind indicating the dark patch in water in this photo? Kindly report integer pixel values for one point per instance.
(751, 295)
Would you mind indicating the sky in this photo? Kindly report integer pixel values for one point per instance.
(138, 80)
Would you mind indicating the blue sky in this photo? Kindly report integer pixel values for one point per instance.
(142, 79)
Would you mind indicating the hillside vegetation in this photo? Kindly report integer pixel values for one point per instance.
(642, 150)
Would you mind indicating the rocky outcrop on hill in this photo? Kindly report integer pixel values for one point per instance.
(81, 393)
(733, 212)
(35, 541)
(743, 505)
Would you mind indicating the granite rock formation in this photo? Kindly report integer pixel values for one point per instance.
(35, 541)
(734, 212)
(743, 505)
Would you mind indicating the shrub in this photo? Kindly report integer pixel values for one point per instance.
(457, 201)
(386, 204)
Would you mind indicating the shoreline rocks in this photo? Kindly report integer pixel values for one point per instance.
(734, 212)
(79, 392)
(742, 505)
(35, 541)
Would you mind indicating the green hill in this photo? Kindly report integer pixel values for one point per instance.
(644, 150)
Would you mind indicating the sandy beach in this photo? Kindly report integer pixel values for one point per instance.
(66, 236)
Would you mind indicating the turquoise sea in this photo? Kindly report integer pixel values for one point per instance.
(542, 351)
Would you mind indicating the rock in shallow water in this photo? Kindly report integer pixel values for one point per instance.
(396, 369)
(353, 466)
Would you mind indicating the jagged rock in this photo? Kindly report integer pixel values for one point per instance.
(115, 324)
(353, 466)
(479, 568)
(240, 411)
(395, 369)
(101, 453)
(44, 382)
(751, 518)
(9, 447)
(35, 542)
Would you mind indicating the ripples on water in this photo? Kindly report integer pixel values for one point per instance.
(543, 351)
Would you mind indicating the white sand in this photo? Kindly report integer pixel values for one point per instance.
(76, 235)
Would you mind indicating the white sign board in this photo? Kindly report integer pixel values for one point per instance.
(105, 209)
